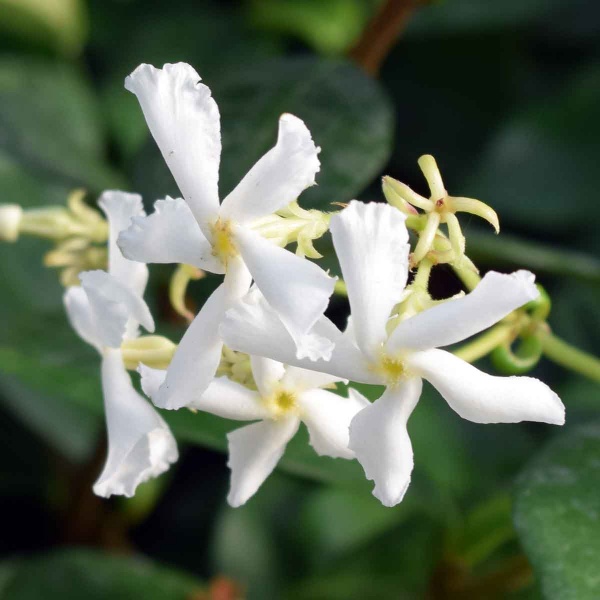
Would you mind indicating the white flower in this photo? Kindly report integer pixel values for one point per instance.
(196, 230)
(104, 311)
(286, 397)
(372, 245)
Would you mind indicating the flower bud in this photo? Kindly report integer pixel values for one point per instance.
(154, 351)
(10, 221)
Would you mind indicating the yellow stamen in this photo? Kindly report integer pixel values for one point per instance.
(222, 241)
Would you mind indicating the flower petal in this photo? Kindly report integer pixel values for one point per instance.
(151, 380)
(79, 313)
(297, 289)
(120, 208)
(371, 241)
(115, 308)
(267, 373)
(449, 322)
(184, 121)
(379, 438)
(254, 450)
(484, 398)
(253, 327)
(140, 444)
(327, 417)
(305, 379)
(231, 400)
(197, 357)
(278, 178)
(169, 235)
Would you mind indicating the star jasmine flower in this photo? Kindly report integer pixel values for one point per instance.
(222, 238)
(285, 397)
(371, 242)
(105, 311)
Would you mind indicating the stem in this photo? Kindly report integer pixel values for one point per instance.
(485, 343)
(469, 277)
(570, 357)
(381, 34)
(423, 272)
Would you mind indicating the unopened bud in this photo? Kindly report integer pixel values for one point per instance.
(10, 221)
(153, 351)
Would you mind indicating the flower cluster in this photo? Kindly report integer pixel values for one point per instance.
(260, 349)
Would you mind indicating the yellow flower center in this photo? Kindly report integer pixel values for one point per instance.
(222, 241)
(391, 368)
(282, 402)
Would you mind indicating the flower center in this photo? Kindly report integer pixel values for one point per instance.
(391, 368)
(223, 245)
(282, 402)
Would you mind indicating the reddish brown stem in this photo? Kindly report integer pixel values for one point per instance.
(381, 34)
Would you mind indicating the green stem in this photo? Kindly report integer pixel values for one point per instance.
(469, 277)
(423, 272)
(485, 343)
(570, 357)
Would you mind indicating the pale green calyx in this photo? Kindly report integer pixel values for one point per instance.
(439, 208)
(294, 224)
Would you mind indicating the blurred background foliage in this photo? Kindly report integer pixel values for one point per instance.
(506, 95)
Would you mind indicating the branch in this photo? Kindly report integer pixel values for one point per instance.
(381, 34)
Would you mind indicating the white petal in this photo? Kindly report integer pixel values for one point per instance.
(379, 438)
(115, 308)
(495, 297)
(231, 400)
(119, 209)
(169, 235)
(254, 450)
(197, 357)
(237, 280)
(140, 444)
(267, 373)
(484, 398)
(79, 313)
(327, 417)
(305, 379)
(371, 241)
(184, 121)
(297, 289)
(151, 380)
(253, 327)
(279, 177)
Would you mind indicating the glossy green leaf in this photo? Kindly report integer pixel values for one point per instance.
(557, 508)
(50, 126)
(57, 25)
(78, 573)
(329, 26)
(540, 170)
(348, 114)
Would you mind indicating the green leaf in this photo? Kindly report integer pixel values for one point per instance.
(557, 514)
(329, 26)
(78, 573)
(348, 114)
(463, 16)
(540, 170)
(59, 25)
(50, 127)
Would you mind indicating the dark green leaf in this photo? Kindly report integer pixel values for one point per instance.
(540, 170)
(79, 573)
(50, 127)
(557, 514)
